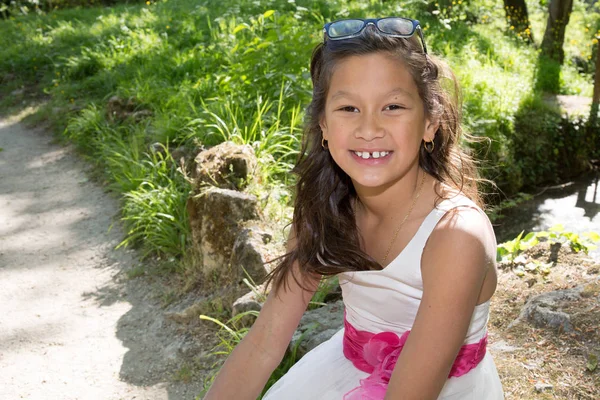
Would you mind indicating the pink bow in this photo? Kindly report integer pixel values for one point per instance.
(377, 355)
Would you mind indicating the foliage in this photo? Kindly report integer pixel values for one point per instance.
(238, 70)
(326, 286)
(154, 193)
(23, 7)
(584, 242)
(495, 212)
(509, 253)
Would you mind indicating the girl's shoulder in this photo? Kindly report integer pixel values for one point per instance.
(462, 220)
(449, 198)
(458, 212)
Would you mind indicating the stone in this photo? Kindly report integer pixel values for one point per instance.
(219, 213)
(252, 301)
(543, 310)
(215, 218)
(540, 387)
(318, 326)
(249, 253)
(216, 305)
(191, 313)
(226, 165)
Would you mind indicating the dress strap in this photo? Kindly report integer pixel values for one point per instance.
(434, 217)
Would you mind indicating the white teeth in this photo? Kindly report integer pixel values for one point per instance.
(376, 154)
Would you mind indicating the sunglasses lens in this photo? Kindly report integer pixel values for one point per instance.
(345, 28)
(396, 26)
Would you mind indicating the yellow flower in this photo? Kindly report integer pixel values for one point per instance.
(594, 40)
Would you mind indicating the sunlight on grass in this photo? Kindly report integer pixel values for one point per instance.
(238, 70)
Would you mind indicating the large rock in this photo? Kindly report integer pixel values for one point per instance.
(218, 211)
(216, 217)
(250, 253)
(226, 165)
(544, 310)
(317, 326)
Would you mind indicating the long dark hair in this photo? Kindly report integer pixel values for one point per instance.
(327, 240)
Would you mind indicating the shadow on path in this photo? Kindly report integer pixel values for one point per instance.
(73, 326)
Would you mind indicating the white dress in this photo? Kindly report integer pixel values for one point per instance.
(372, 301)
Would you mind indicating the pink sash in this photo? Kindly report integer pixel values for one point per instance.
(377, 354)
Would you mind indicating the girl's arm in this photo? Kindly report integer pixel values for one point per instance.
(250, 364)
(454, 264)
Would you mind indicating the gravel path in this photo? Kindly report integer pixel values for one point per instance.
(72, 326)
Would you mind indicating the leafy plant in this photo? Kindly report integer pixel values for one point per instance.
(154, 213)
(495, 212)
(584, 242)
(326, 286)
(248, 281)
(508, 253)
(534, 267)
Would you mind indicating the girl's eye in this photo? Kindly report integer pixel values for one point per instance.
(395, 107)
(348, 108)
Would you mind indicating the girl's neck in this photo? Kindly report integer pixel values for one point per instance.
(382, 203)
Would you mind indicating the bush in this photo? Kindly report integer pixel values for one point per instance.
(549, 147)
(23, 7)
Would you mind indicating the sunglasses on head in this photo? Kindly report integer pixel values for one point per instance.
(389, 26)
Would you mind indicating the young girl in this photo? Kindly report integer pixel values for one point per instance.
(387, 201)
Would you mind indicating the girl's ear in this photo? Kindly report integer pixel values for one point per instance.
(431, 127)
(323, 126)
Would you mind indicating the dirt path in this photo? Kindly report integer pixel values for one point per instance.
(72, 326)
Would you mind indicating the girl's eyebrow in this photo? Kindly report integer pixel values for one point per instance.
(398, 90)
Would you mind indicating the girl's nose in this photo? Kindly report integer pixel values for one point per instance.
(369, 128)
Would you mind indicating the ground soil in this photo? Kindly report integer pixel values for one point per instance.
(74, 323)
(553, 360)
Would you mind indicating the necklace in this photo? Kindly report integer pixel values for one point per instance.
(387, 253)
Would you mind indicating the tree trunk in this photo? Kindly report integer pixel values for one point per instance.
(558, 18)
(596, 95)
(518, 17)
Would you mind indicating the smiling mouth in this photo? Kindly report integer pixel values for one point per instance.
(375, 154)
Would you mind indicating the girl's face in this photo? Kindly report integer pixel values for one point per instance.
(374, 120)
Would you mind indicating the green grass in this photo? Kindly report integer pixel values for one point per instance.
(238, 70)
(135, 272)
